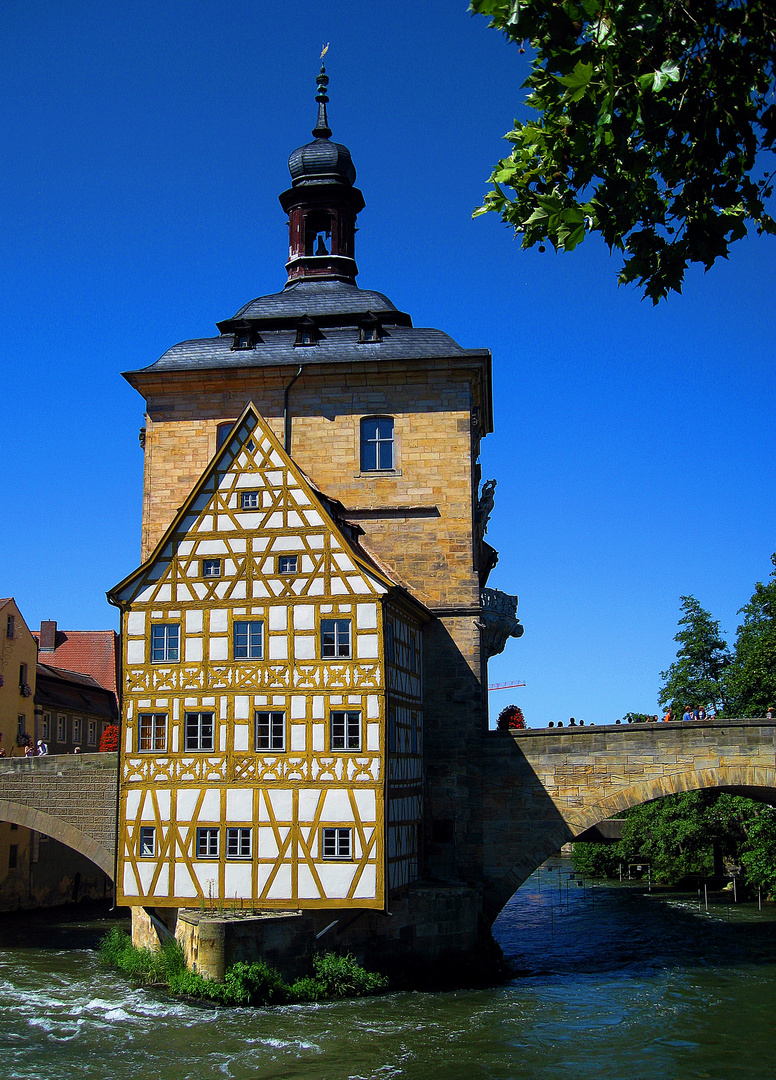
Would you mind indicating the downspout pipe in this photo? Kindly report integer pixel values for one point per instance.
(287, 415)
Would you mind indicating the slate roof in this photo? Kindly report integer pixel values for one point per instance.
(338, 310)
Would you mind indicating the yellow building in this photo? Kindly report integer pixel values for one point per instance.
(17, 680)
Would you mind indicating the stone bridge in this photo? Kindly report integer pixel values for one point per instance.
(71, 798)
(541, 787)
(544, 787)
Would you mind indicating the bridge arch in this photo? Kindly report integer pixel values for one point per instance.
(565, 785)
(69, 797)
(67, 834)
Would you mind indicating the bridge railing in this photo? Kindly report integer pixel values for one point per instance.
(645, 726)
(58, 763)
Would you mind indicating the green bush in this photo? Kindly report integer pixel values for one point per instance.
(343, 977)
(244, 984)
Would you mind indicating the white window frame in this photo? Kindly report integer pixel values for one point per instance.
(345, 729)
(46, 727)
(253, 629)
(249, 500)
(152, 729)
(211, 568)
(165, 643)
(337, 843)
(288, 564)
(270, 731)
(239, 842)
(195, 731)
(208, 837)
(340, 643)
(61, 728)
(78, 727)
(91, 733)
(146, 848)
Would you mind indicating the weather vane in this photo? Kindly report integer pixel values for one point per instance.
(324, 49)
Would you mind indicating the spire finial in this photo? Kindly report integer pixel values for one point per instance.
(322, 129)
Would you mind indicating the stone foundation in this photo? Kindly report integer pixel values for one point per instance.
(430, 928)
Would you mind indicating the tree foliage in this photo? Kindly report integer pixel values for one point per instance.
(751, 678)
(696, 677)
(655, 128)
(678, 836)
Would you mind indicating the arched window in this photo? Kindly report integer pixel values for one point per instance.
(376, 443)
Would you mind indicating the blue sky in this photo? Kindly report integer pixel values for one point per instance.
(145, 145)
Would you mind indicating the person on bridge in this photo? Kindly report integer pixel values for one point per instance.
(668, 716)
(42, 748)
(702, 713)
(687, 713)
(768, 716)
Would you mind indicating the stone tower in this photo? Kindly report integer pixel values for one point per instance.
(386, 420)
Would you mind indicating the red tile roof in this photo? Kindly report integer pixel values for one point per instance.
(89, 652)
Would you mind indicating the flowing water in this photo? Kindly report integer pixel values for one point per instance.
(610, 983)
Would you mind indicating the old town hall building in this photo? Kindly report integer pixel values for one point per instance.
(306, 641)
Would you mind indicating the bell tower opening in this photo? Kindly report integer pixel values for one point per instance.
(322, 205)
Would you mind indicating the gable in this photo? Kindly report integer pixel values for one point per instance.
(251, 508)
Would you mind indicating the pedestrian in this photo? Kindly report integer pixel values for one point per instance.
(77, 750)
(551, 723)
(42, 748)
(687, 713)
(668, 716)
(581, 723)
(618, 721)
(2, 748)
(572, 722)
(769, 716)
(29, 750)
(702, 713)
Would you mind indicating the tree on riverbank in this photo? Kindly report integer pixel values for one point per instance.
(696, 677)
(751, 678)
(687, 834)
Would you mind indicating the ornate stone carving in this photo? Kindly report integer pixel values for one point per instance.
(499, 620)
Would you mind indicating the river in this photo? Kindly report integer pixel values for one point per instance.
(610, 983)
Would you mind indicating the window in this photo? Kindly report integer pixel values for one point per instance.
(376, 443)
(151, 732)
(248, 640)
(238, 843)
(91, 737)
(199, 731)
(335, 843)
(211, 568)
(21, 724)
(46, 726)
(287, 564)
(222, 433)
(249, 500)
(346, 731)
(147, 842)
(164, 642)
(77, 729)
(62, 729)
(207, 843)
(10, 626)
(335, 637)
(22, 675)
(270, 731)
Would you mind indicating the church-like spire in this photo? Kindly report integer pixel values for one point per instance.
(322, 129)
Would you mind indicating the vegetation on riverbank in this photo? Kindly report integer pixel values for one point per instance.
(693, 833)
(244, 984)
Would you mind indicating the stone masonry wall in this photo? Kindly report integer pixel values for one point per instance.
(544, 787)
(431, 548)
(71, 798)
